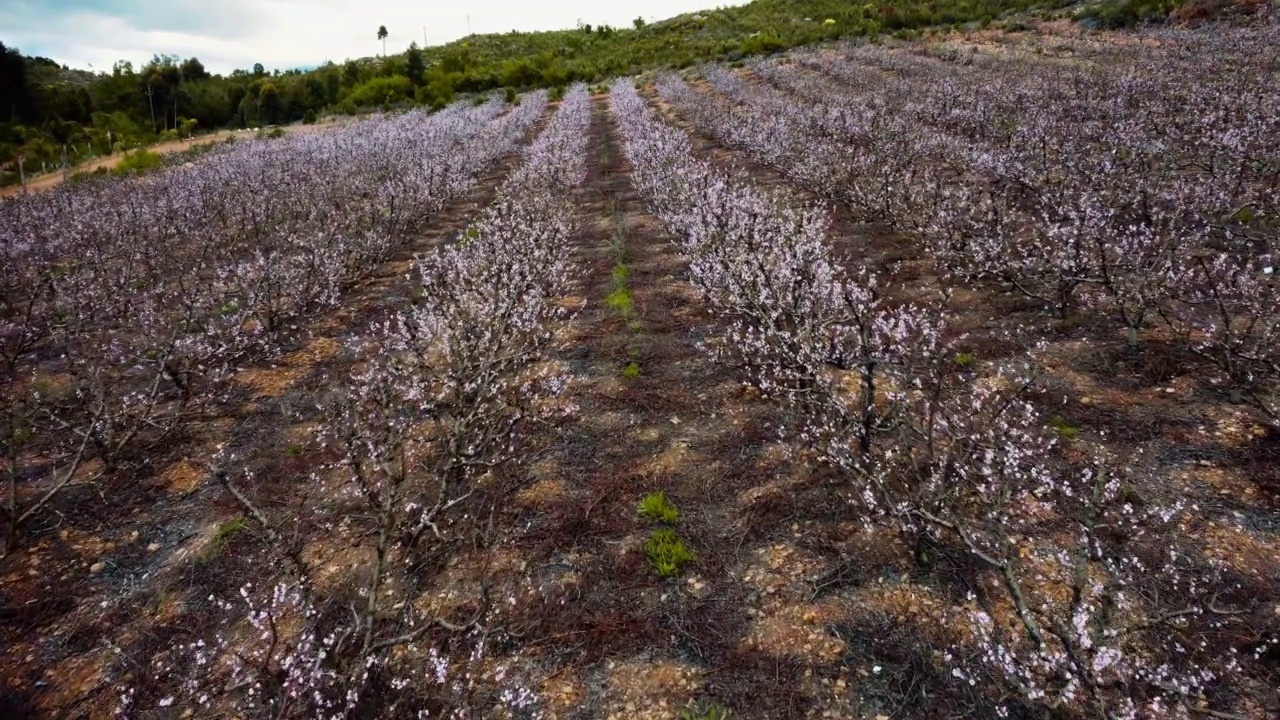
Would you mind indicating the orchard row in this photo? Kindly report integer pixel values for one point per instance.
(440, 394)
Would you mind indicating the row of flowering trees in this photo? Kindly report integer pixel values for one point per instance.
(1085, 602)
(1109, 185)
(126, 303)
(433, 410)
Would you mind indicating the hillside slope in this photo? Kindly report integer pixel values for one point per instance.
(53, 114)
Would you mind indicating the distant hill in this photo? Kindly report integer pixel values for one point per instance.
(593, 53)
(49, 109)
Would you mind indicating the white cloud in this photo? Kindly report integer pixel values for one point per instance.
(113, 38)
(286, 33)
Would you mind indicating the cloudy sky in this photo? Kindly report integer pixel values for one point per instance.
(230, 34)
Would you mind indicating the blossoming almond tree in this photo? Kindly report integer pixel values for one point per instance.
(443, 391)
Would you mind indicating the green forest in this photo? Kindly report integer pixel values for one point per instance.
(54, 116)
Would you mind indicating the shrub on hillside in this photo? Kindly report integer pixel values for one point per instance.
(437, 92)
(139, 162)
(1114, 14)
(382, 91)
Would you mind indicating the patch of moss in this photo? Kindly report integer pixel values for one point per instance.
(1064, 428)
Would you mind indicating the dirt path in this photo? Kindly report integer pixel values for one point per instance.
(39, 183)
(43, 182)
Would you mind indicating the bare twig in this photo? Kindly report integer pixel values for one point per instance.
(225, 480)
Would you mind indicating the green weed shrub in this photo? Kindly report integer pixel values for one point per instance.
(707, 712)
(655, 506)
(667, 552)
(1064, 428)
(139, 162)
(622, 301)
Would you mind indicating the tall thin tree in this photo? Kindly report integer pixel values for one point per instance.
(382, 35)
(151, 101)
